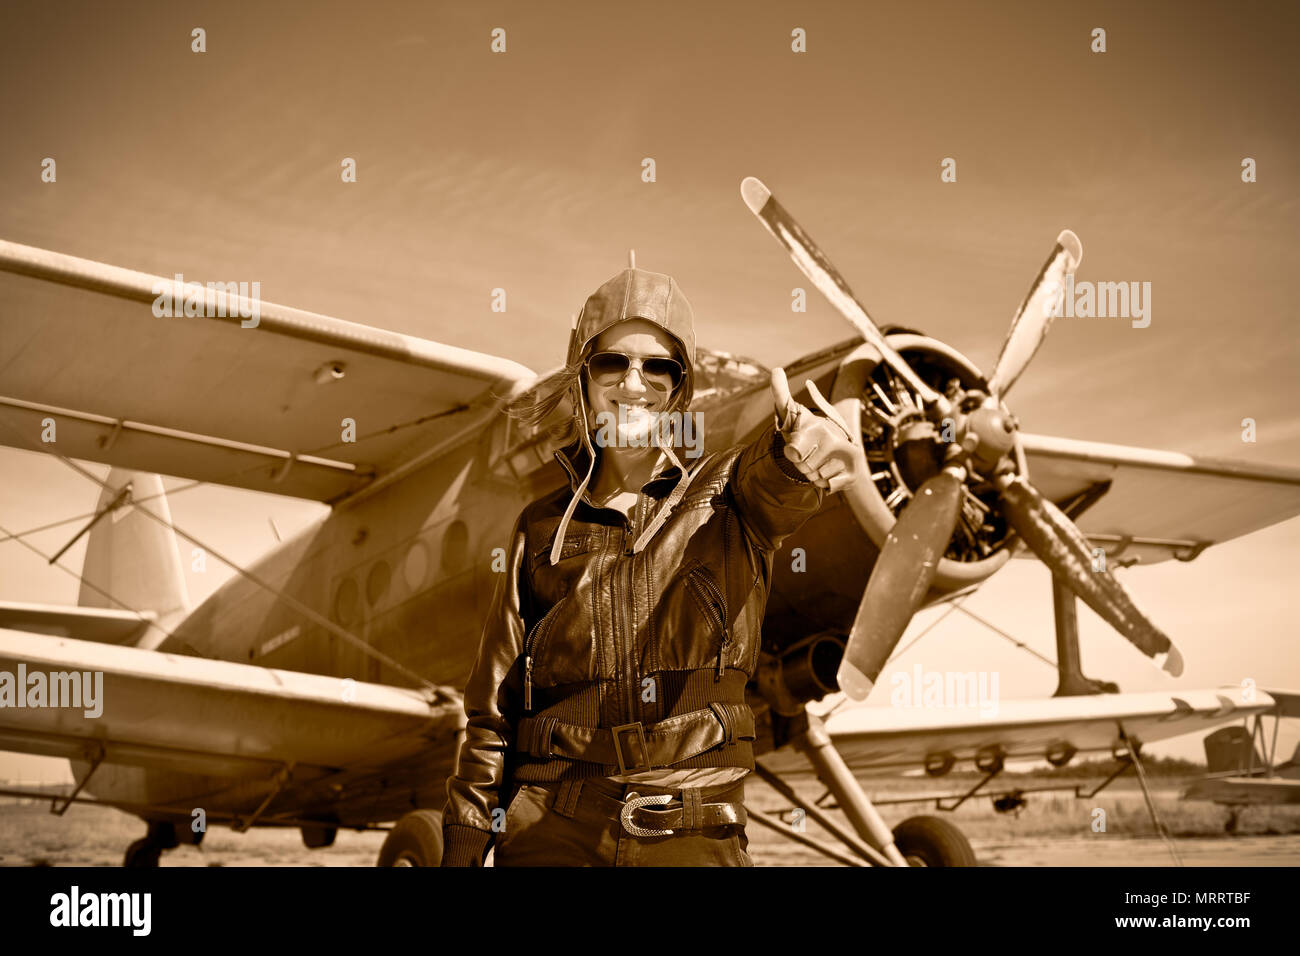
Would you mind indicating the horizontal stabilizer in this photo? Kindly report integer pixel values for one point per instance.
(98, 625)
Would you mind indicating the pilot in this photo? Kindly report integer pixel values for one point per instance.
(607, 723)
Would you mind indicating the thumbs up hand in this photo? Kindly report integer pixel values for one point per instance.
(821, 448)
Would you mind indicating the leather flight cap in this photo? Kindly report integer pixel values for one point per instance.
(638, 294)
(634, 747)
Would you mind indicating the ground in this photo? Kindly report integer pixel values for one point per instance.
(1054, 830)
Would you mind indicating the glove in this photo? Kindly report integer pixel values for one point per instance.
(822, 449)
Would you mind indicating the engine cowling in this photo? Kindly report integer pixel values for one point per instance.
(904, 449)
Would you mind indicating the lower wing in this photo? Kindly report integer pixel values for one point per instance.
(229, 737)
(892, 739)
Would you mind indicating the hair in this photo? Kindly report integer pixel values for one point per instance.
(534, 405)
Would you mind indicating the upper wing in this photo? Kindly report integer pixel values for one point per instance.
(323, 746)
(1160, 504)
(1286, 702)
(206, 398)
(897, 738)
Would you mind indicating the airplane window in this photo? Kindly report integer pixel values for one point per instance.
(416, 565)
(377, 582)
(455, 546)
(346, 599)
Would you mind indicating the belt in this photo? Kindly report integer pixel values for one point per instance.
(683, 808)
(633, 747)
(686, 817)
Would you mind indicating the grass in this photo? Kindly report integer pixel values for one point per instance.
(97, 836)
(1054, 814)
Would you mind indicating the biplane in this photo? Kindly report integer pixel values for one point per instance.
(319, 687)
(1243, 765)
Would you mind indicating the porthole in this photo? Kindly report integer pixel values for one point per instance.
(345, 601)
(377, 582)
(455, 546)
(416, 565)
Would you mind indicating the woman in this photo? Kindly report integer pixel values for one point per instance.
(607, 722)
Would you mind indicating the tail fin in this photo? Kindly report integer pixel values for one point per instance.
(1229, 750)
(1291, 768)
(133, 557)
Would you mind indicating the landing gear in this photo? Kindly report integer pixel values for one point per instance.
(146, 852)
(932, 841)
(919, 841)
(415, 841)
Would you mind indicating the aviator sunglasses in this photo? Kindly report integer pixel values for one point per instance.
(610, 368)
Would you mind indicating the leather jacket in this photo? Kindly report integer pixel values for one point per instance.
(659, 643)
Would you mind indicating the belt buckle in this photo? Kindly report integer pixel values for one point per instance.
(623, 766)
(635, 803)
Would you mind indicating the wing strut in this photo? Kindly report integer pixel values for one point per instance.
(59, 811)
(1133, 748)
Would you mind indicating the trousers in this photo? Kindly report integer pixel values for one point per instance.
(545, 825)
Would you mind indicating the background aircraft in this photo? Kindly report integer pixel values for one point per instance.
(1243, 767)
(319, 688)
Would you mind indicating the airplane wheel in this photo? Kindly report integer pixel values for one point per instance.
(142, 854)
(415, 841)
(145, 852)
(315, 838)
(932, 841)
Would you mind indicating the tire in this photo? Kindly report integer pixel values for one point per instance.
(415, 841)
(143, 854)
(933, 841)
(317, 837)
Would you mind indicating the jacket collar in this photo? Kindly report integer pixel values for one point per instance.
(575, 458)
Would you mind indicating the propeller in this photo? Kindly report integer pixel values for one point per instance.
(987, 445)
(1034, 317)
(1063, 548)
(901, 578)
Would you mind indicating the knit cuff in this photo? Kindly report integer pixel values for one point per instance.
(785, 464)
(464, 846)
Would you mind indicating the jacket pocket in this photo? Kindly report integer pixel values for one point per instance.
(703, 587)
(560, 649)
(575, 543)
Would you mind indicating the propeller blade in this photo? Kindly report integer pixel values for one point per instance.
(813, 263)
(1062, 547)
(900, 579)
(1034, 317)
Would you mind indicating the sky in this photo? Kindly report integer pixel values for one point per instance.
(522, 170)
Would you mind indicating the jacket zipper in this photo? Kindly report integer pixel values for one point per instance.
(713, 599)
(530, 645)
(629, 620)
